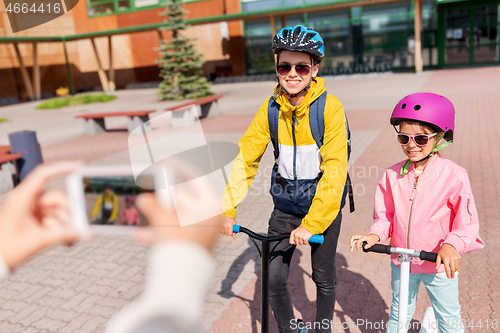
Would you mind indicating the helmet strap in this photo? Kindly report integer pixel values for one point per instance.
(406, 167)
(288, 95)
(300, 92)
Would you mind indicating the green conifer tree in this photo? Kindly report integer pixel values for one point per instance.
(180, 63)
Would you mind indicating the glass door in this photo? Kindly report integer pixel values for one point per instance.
(485, 39)
(471, 34)
(457, 42)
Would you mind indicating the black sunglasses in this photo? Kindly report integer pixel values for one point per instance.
(300, 69)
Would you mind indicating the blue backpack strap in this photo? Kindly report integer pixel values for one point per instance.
(348, 182)
(317, 123)
(273, 115)
(348, 138)
(317, 119)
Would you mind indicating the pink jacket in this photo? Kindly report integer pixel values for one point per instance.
(423, 212)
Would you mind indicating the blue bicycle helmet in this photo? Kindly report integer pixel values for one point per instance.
(301, 39)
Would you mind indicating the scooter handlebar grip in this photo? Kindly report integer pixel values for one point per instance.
(429, 256)
(318, 239)
(379, 248)
(236, 228)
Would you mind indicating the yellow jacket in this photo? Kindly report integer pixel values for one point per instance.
(331, 160)
(110, 200)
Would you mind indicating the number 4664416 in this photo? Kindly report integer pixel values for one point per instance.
(24, 8)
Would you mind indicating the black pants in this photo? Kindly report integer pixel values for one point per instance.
(106, 214)
(323, 266)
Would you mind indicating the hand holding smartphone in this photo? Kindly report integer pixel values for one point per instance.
(105, 196)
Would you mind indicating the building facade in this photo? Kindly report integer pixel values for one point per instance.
(235, 38)
(381, 36)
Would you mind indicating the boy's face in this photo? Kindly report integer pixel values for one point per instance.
(293, 82)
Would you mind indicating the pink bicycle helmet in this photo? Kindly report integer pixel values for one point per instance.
(130, 198)
(429, 108)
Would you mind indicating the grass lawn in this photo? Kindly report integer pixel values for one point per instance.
(59, 102)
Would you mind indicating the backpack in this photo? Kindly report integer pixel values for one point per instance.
(317, 124)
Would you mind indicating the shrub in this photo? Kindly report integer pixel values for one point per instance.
(59, 102)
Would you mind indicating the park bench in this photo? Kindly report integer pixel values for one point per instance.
(4, 150)
(6, 179)
(6, 156)
(93, 123)
(187, 113)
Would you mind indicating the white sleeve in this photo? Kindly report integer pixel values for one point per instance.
(179, 276)
(4, 269)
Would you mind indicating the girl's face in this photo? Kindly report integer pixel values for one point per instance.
(412, 151)
(292, 81)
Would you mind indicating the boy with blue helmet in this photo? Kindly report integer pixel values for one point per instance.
(307, 128)
(299, 39)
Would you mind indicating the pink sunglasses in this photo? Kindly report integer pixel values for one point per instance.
(420, 140)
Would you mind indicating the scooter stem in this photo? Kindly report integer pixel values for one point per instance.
(404, 284)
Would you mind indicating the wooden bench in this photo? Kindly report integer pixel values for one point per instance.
(187, 113)
(4, 150)
(93, 123)
(4, 158)
(7, 178)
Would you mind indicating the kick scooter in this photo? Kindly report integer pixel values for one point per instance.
(265, 255)
(429, 324)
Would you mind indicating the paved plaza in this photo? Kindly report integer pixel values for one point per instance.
(79, 288)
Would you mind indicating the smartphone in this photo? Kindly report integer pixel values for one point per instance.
(104, 196)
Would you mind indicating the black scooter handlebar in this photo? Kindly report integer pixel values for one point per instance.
(386, 249)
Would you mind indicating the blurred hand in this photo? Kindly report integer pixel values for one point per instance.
(165, 226)
(300, 236)
(32, 219)
(451, 259)
(357, 241)
(227, 226)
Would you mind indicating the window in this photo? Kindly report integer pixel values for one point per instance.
(262, 5)
(107, 7)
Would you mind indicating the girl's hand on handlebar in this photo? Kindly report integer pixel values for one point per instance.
(300, 236)
(357, 241)
(227, 226)
(451, 259)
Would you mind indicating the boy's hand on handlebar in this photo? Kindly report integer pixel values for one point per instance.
(451, 259)
(300, 236)
(227, 226)
(357, 241)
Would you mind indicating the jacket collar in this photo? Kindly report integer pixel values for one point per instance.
(433, 165)
(317, 88)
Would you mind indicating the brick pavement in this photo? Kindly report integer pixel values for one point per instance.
(80, 288)
(73, 289)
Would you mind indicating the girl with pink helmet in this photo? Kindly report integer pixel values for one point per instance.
(129, 214)
(425, 203)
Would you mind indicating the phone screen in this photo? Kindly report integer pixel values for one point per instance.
(111, 200)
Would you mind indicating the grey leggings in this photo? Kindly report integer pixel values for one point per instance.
(323, 266)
